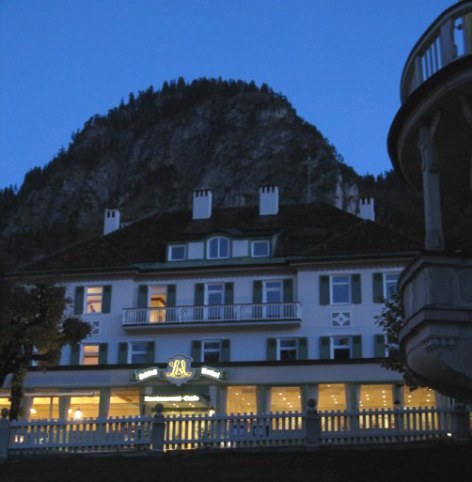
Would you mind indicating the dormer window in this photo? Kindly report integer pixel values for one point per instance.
(260, 249)
(177, 252)
(218, 248)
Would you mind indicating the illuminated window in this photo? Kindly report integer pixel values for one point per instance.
(375, 396)
(84, 407)
(177, 252)
(260, 249)
(332, 396)
(90, 354)
(44, 407)
(124, 402)
(218, 248)
(241, 399)
(93, 299)
(157, 302)
(285, 399)
(421, 397)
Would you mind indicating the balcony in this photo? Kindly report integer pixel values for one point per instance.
(255, 315)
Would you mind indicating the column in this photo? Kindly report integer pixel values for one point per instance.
(431, 187)
(104, 403)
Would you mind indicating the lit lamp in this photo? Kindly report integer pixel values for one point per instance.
(78, 414)
(211, 411)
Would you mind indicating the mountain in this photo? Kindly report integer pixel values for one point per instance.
(148, 155)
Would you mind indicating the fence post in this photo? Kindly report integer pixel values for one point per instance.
(158, 429)
(4, 435)
(461, 422)
(313, 424)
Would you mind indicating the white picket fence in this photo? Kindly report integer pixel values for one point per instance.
(230, 431)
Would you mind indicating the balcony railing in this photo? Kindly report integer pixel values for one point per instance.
(212, 314)
(447, 39)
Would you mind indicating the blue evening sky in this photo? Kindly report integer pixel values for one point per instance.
(337, 61)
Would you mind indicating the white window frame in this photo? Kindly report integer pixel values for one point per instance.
(170, 254)
(132, 352)
(206, 350)
(333, 282)
(83, 350)
(214, 311)
(334, 345)
(88, 295)
(280, 348)
(264, 242)
(386, 294)
(218, 240)
(272, 309)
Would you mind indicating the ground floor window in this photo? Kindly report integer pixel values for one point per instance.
(84, 407)
(375, 396)
(285, 399)
(332, 396)
(124, 402)
(44, 407)
(4, 403)
(421, 397)
(241, 399)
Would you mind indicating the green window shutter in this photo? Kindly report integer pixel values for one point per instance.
(288, 291)
(379, 346)
(257, 292)
(356, 289)
(102, 353)
(357, 346)
(377, 282)
(142, 296)
(199, 294)
(324, 290)
(229, 293)
(225, 350)
(271, 349)
(79, 300)
(171, 295)
(197, 350)
(106, 305)
(122, 353)
(324, 348)
(303, 348)
(75, 354)
(150, 352)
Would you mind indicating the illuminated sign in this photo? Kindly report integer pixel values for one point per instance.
(178, 370)
(212, 373)
(145, 374)
(171, 398)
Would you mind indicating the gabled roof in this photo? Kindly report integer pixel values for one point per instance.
(306, 231)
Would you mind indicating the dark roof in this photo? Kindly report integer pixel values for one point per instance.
(307, 231)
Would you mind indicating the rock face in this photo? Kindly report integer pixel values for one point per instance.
(149, 154)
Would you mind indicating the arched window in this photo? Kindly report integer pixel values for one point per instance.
(218, 248)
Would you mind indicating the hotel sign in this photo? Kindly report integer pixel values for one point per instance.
(179, 371)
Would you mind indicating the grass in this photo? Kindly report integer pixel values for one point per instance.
(427, 463)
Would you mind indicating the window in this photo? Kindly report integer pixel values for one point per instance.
(157, 303)
(138, 352)
(260, 249)
(272, 297)
(211, 351)
(241, 399)
(177, 252)
(341, 347)
(218, 248)
(90, 354)
(287, 349)
(390, 285)
(93, 299)
(285, 399)
(332, 396)
(340, 290)
(214, 298)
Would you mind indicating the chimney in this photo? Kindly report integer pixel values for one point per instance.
(268, 200)
(366, 209)
(112, 221)
(202, 201)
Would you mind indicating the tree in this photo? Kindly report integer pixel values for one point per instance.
(33, 329)
(391, 320)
